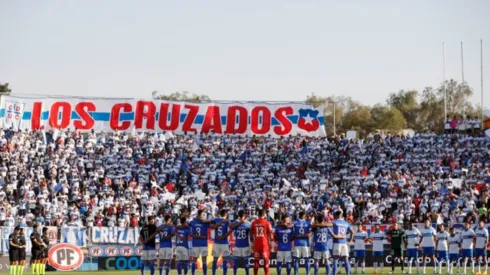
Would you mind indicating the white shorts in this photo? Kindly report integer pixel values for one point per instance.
(341, 249)
(181, 253)
(301, 252)
(165, 253)
(199, 251)
(284, 256)
(149, 255)
(321, 255)
(242, 252)
(221, 250)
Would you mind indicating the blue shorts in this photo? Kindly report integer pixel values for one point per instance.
(467, 253)
(412, 253)
(360, 253)
(442, 255)
(427, 251)
(480, 252)
(453, 257)
(377, 253)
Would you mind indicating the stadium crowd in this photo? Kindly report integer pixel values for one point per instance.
(65, 178)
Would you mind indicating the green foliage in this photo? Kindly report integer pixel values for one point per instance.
(359, 118)
(404, 109)
(4, 89)
(406, 102)
(388, 118)
(181, 96)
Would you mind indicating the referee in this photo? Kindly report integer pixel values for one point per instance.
(14, 247)
(395, 237)
(22, 251)
(36, 250)
(44, 257)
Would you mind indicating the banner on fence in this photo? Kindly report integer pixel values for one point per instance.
(127, 115)
(74, 235)
(115, 235)
(114, 251)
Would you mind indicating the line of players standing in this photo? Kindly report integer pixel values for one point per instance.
(39, 251)
(250, 239)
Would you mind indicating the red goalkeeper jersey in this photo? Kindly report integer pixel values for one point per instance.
(261, 231)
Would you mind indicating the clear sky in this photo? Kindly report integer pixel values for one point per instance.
(241, 50)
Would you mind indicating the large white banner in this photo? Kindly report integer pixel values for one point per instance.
(128, 115)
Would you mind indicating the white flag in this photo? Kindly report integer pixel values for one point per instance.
(13, 114)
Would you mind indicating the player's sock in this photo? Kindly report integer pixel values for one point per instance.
(417, 264)
(256, 266)
(465, 264)
(160, 268)
(434, 265)
(335, 265)
(225, 266)
(440, 266)
(142, 267)
(186, 267)
(266, 266)
(473, 266)
(393, 265)
(204, 267)
(296, 266)
(356, 264)
(215, 266)
(34, 268)
(279, 268)
(327, 267)
(21, 270)
(179, 268)
(315, 267)
(43, 269)
(307, 266)
(381, 266)
(448, 265)
(246, 266)
(288, 268)
(479, 265)
(193, 268)
(375, 265)
(410, 265)
(235, 266)
(486, 266)
(425, 266)
(347, 266)
(363, 265)
(167, 269)
(152, 267)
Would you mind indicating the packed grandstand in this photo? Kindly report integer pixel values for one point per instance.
(118, 179)
(96, 187)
